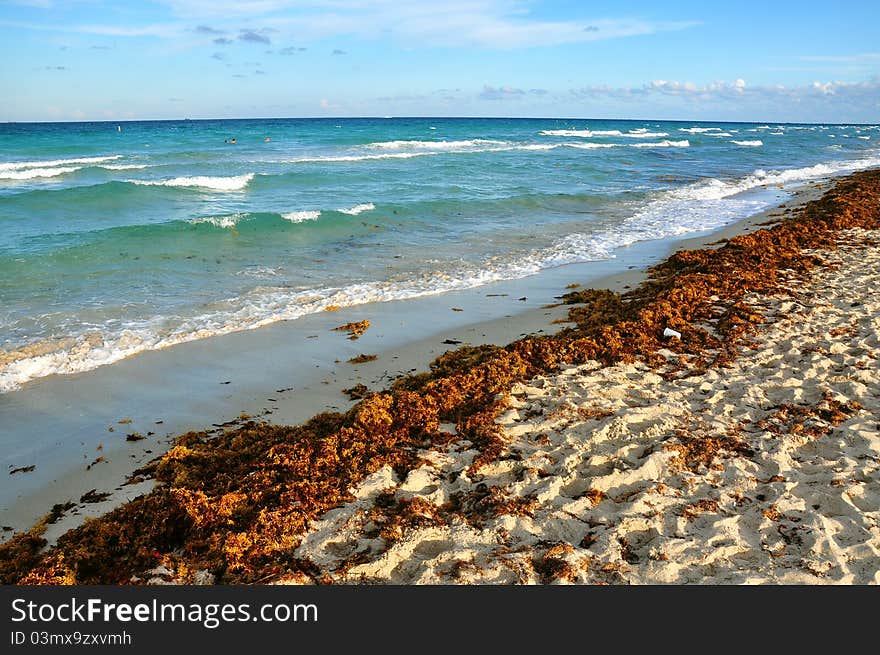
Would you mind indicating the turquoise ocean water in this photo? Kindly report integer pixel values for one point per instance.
(116, 239)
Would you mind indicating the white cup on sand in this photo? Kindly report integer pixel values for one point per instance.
(668, 332)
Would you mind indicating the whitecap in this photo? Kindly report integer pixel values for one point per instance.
(433, 145)
(300, 216)
(665, 143)
(234, 183)
(32, 173)
(18, 165)
(358, 209)
(123, 167)
(592, 146)
(226, 221)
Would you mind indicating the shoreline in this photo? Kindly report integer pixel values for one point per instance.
(241, 506)
(80, 409)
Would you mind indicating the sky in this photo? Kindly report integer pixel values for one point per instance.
(168, 59)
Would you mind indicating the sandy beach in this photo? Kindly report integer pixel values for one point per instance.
(745, 451)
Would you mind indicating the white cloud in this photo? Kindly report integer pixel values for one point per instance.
(500, 93)
(819, 96)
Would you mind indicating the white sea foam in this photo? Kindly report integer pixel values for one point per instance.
(699, 130)
(358, 209)
(300, 216)
(866, 138)
(641, 133)
(18, 165)
(123, 167)
(353, 158)
(229, 220)
(665, 143)
(592, 146)
(777, 133)
(260, 272)
(234, 183)
(752, 144)
(32, 173)
(434, 145)
(580, 133)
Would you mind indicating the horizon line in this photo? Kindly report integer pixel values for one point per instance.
(386, 117)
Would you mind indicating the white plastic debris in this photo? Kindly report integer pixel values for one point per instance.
(668, 332)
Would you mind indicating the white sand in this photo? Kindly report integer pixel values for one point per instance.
(801, 509)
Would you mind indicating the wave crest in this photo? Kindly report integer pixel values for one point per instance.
(300, 216)
(18, 165)
(358, 209)
(665, 143)
(234, 183)
(32, 173)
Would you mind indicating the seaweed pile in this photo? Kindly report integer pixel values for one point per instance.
(236, 506)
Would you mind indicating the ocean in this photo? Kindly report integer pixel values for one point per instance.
(121, 238)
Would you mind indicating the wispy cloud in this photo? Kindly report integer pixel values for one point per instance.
(339, 52)
(222, 40)
(506, 92)
(500, 93)
(739, 93)
(205, 29)
(503, 24)
(159, 30)
(254, 36)
(291, 50)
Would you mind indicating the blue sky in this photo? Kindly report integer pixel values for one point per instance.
(763, 61)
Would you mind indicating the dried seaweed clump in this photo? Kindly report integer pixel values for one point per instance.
(363, 359)
(695, 453)
(485, 503)
(810, 421)
(354, 329)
